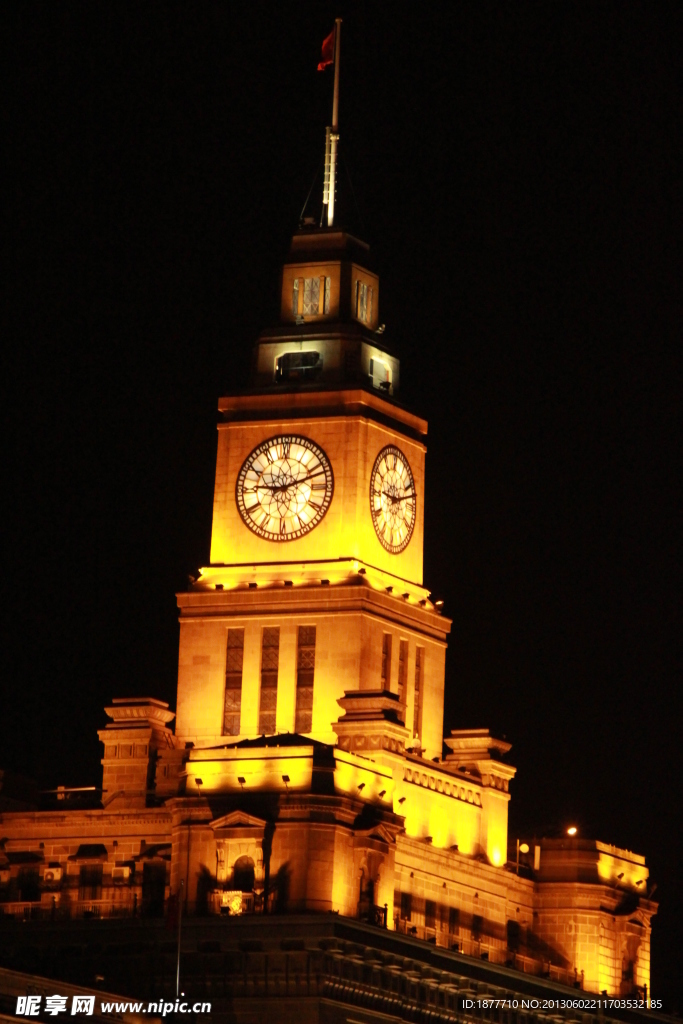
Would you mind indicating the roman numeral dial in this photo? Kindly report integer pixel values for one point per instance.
(284, 488)
(392, 499)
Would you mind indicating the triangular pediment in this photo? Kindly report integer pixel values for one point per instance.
(237, 819)
(383, 832)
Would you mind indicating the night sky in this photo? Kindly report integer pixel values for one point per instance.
(515, 170)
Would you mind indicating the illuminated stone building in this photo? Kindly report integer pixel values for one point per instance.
(305, 772)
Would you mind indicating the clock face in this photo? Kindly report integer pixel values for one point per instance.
(392, 499)
(284, 487)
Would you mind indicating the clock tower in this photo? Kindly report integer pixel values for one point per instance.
(306, 772)
(314, 593)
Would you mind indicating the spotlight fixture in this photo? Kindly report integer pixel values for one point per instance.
(289, 583)
(401, 799)
(253, 586)
(639, 882)
(390, 590)
(241, 779)
(382, 793)
(405, 596)
(361, 786)
(198, 781)
(619, 877)
(285, 779)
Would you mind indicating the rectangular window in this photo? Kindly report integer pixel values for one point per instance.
(28, 883)
(513, 935)
(311, 295)
(430, 914)
(380, 373)
(406, 906)
(298, 366)
(418, 698)
(326, 307)
(305, 671)
(386, 662)
(90, 882)
(402, 668)
(270, 653)
(363, 302)
(477, 926)
(295, 297)
(454, 920)
(234, 661)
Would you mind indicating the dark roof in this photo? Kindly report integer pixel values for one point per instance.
(284, 739)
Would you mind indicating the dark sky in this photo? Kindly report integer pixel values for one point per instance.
(515, 169)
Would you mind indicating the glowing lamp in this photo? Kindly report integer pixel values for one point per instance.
(524, 848)
(572, 830)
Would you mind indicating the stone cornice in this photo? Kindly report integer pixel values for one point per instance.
(274, 598)
(328, 403)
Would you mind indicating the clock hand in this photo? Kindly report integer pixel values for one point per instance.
(399, 497)
(294, 482)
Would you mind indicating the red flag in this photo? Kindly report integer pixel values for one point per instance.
(328, 52)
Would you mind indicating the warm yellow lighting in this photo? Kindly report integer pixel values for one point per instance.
(495, 856)
(524, 848)
(572, 830)
(232, 901)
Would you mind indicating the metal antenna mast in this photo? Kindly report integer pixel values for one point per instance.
(332, 135)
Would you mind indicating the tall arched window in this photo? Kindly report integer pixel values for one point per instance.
(243, 874)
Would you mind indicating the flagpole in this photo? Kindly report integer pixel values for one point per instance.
(335, 100)
(334, 133)
(180, 930)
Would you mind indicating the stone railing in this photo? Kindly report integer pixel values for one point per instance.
(71, 909)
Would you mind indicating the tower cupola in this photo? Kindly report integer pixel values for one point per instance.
(329, 333)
